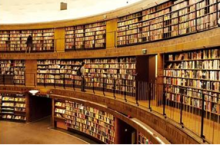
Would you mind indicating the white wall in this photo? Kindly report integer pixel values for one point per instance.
(33, 11)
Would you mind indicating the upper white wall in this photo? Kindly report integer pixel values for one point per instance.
(34, 11)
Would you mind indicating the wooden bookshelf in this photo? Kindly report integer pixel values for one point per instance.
(60, 110)
(142, 139)
(56, 72)
(89, 120)
(90, 36)
(167, 20)
(4, 40)
(70, 38)
(13, 107)
(24, 36)
(192, 74)
(107, 72)
(12, 72)
(99, 72)
(15, 41)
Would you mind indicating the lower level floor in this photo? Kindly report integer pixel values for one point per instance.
(38, 132)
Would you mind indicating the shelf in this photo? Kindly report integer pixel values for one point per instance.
(59, 119)
(193, 79)
(19, 120)
(195, 107)
(185, 95)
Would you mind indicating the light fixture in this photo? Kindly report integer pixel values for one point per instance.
(63, 6)
(34, 92)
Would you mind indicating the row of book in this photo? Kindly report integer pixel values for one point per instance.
(193, 74)
(193, 102)
(11, 98)
(199, 64)
(196, 55)
(14, 117)
(200, 84)
(195, 93)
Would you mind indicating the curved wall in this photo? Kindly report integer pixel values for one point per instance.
(189, 42)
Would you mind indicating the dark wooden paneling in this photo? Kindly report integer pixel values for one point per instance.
(39, 107)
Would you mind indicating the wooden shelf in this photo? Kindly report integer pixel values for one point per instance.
(100, 129)
(159, 30)
(78, 40)
(208, 87)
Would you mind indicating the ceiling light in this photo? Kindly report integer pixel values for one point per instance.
(34, 92)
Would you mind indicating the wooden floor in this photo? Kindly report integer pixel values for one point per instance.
(38, 132)
(191, 118)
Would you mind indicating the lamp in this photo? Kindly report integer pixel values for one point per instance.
(34, 92)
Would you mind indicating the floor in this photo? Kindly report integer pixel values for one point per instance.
(38, 132)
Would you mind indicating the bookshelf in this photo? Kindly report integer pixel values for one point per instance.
(24, 36)
(15, 41)
(60, 110)
(89, 120)
(4, 40)
(70, 38)
(58, 72)
(13, 72)
(191, 74)
(167, 20)
(90, 36)
(13, 107)
(121, 72)
(143, 139)
(105, 71)
(99, 72)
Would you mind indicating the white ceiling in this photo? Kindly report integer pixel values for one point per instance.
(33, 11)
